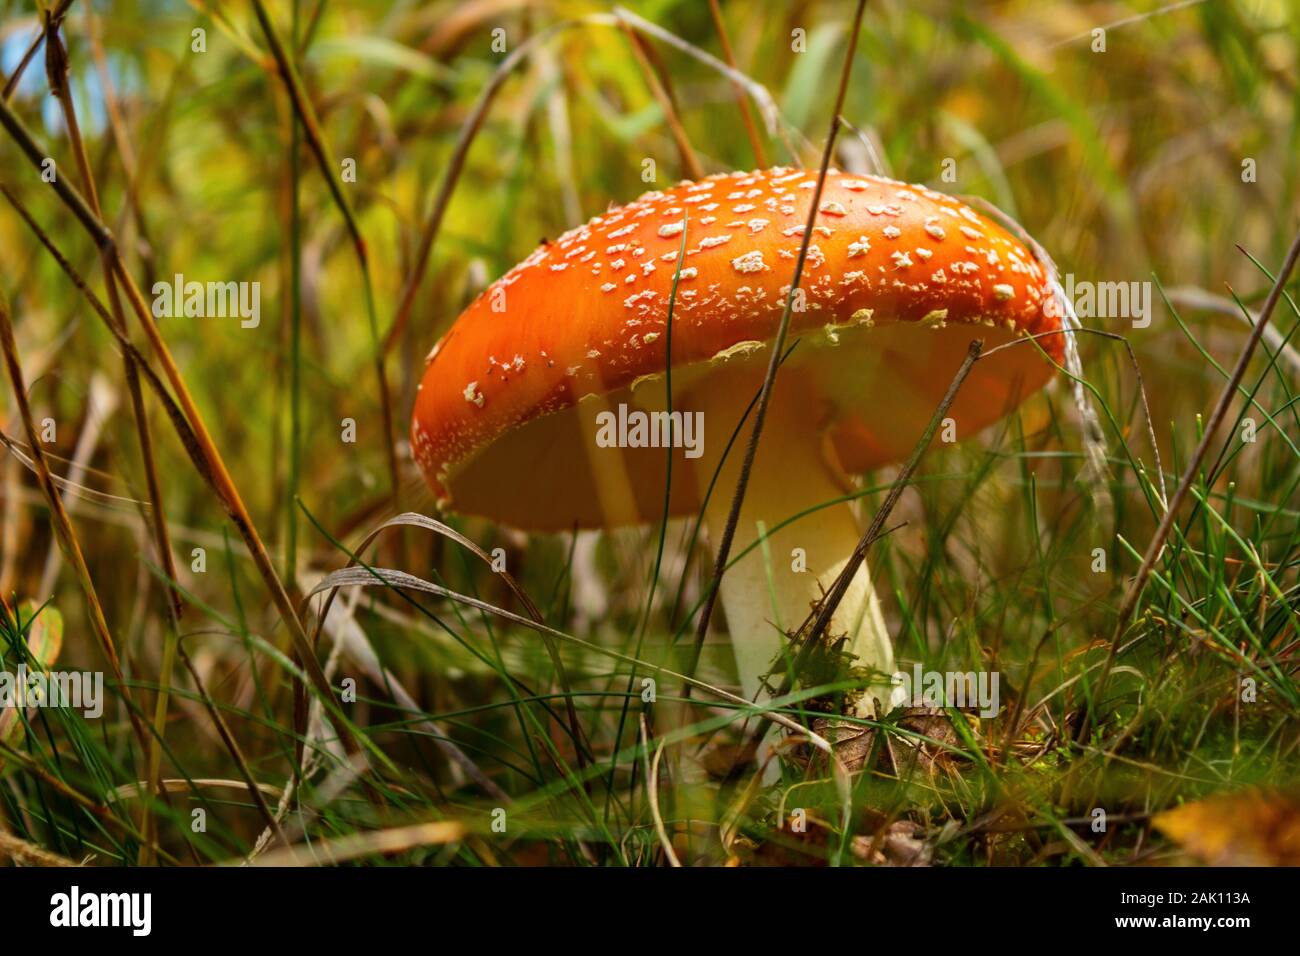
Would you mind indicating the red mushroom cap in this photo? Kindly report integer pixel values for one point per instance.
(895, 275)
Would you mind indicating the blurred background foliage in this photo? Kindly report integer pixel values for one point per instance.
(1125, 164)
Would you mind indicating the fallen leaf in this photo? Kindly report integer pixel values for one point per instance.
(899, 844)
(1252, 827)
(852, 742)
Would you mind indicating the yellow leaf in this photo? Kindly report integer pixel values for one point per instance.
(1252, 827)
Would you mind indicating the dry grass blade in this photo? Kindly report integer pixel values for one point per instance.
(129, 791)
(755, 143)
(723, 549)
(72, 488)
(328, 167)
(652, 793)
(101, 403)
(345, 631)
(414, 519)
(357, 845)
(67, 537)
(1219, 413)
(29, 854)
(664, 98)
(56, 70)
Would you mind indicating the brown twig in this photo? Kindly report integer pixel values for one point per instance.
(742, 101)
(56, 15)
(778, 347)
(690, 164)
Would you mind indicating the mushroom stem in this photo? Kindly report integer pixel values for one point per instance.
(769, 591)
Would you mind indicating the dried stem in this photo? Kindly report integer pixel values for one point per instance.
(59, 517)
(211, 464)
(56, 70)
(778, 347)
(1156, 546)
(690, 163)
(652, 792)
(55, 14)
(330, 171)
(742, 101)
(182, 429)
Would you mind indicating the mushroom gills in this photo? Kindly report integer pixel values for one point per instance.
(885, 382)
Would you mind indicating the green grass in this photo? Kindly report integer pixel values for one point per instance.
(1125, 165)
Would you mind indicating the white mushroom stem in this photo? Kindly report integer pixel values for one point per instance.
(766, 594)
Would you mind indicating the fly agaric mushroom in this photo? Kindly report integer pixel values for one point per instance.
(546, 405)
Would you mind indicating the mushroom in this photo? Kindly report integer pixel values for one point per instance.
(546, 406)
